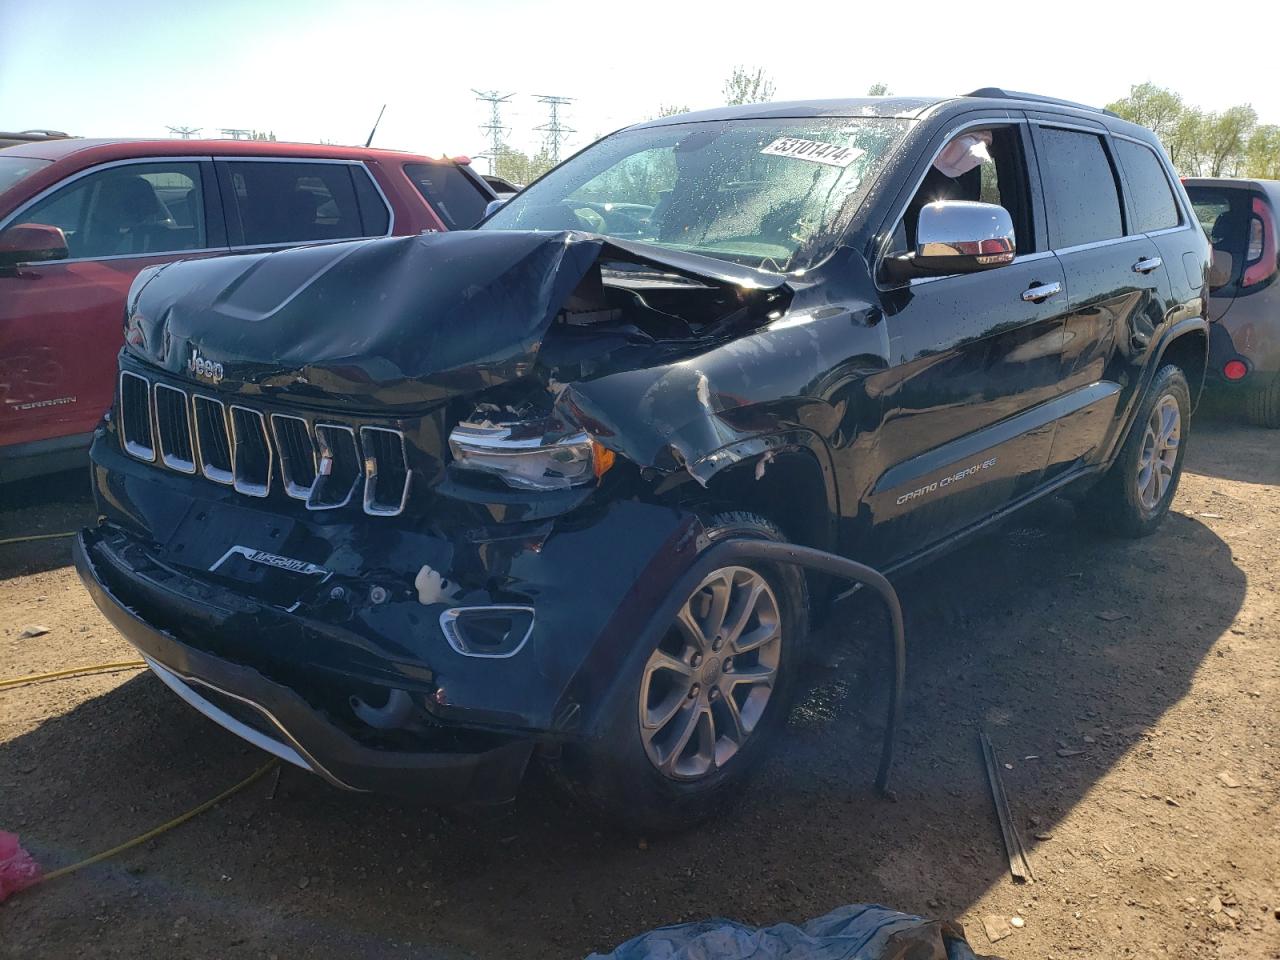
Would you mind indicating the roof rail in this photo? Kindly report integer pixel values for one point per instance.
(999, 93)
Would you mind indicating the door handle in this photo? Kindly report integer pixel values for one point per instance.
(1040, 292)
(1147, 264)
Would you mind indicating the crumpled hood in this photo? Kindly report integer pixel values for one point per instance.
(392, 321)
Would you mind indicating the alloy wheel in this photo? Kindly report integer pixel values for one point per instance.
(1159, 453)
(706, 686)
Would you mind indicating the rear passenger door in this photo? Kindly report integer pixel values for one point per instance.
(1116, 285)
(283, 202)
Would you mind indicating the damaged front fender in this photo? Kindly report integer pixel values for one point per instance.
(736, 402)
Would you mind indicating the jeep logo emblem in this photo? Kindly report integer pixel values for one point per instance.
(200, 367)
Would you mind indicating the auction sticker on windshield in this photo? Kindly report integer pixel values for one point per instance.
(814, 151)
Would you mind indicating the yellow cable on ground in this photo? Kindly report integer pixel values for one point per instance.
(38, 536)
(176, 821)
(71, 672)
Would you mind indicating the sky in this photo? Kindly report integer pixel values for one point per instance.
(315, 70)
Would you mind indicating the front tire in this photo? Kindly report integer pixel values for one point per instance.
(1133, 497)
(682, 734)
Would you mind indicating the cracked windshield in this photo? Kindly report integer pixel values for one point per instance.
(773, 194)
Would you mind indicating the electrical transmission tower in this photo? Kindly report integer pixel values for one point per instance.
(494, 127)
(556, 132)
(186, 133)
(236, 133)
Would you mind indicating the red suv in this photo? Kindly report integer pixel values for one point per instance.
(80, 218)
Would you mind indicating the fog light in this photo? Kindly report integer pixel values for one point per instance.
(497, 631)
(1235, 370)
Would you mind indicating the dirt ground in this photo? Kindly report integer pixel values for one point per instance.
(1130, 690)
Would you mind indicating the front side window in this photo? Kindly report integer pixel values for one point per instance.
(1080, 191)
(1154, 206)
(454, 196)
(775, 194)
(271, 202)
(133, 209)
(996, 173)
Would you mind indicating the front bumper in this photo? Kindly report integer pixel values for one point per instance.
(286, 724)
(280, 663)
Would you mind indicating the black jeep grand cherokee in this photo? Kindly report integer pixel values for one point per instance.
(405, 511)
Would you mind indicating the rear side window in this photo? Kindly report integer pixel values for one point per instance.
(1079, 188)
(1154, 206)
(134, 209)
(454, 196)
(272, 202)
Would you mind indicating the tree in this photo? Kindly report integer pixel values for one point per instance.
(747, 86)
(518, 167)
(1155, 108)
(1186, 141)
(879, 90)
(1262, 155)
(669, 110)
(260, 135)
(1227, 134)
(1199, 143)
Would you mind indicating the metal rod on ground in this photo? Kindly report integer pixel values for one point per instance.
(846, 569)
(1019, 862)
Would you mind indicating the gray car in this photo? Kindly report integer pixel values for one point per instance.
(1244, 339)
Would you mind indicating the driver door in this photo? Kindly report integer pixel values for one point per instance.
(975, 365)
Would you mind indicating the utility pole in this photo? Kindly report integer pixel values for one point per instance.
(186, 133)
(556, 132)
(494, 127)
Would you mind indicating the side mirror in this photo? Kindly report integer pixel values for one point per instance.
(1221, 269)
(31, 243)
(493, 206)
(957, 236)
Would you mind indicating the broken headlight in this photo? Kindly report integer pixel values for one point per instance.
(530, 454)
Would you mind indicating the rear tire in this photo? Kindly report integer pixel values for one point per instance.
(1262, 408)
(1133, 497)
(637, 774)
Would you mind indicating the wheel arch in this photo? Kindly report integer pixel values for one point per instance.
(792, 484)
(1188, 349)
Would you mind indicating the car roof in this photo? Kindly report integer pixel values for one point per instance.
(90, 150)
(1269, 187)
(908, 108)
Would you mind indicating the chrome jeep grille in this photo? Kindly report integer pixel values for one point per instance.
(177, 450)
(316, 460)
(135, 416)
(213, 440)
(338, 471)
(250, 452)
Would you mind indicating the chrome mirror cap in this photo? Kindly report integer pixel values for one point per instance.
(958, 236)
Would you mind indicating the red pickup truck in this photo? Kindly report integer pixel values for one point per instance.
(80, 218)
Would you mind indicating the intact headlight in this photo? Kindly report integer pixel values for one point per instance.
(529, 455)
